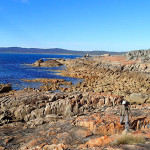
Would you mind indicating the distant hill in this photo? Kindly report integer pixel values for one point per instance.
(58, 51)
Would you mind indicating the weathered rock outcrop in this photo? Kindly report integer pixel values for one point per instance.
(142, 54)
(32, 105)
(45, 120)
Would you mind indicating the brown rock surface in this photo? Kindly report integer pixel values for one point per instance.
(108, 75)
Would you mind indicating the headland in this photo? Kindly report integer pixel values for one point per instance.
(81, 116)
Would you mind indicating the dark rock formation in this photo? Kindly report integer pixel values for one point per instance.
(5, 88)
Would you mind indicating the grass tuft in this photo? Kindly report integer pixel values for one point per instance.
(128, 139)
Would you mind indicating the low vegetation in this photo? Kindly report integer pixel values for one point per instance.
(129, 139)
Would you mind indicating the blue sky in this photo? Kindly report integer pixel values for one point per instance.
(113, 25)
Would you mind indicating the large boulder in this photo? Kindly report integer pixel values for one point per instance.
(138, 98)
(5, 88)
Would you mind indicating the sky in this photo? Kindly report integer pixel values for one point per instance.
(110, 25)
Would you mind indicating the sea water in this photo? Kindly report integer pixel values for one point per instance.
(13, 68)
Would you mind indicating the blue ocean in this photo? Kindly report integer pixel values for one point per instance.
(13, 68)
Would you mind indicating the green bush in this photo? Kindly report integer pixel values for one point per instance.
(128, 139)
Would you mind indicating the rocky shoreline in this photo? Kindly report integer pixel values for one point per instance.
(81, 116)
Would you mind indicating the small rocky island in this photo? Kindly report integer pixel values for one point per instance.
(85, 115)
(47, 63)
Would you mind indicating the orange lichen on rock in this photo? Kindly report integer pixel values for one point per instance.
(97, 142)
(102, 125)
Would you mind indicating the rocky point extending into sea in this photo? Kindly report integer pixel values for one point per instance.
(81, 116)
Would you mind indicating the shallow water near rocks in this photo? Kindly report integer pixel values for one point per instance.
(13, 68)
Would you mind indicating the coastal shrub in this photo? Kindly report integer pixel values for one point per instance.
(128, 139)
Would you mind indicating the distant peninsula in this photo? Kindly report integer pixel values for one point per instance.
(56, 51)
